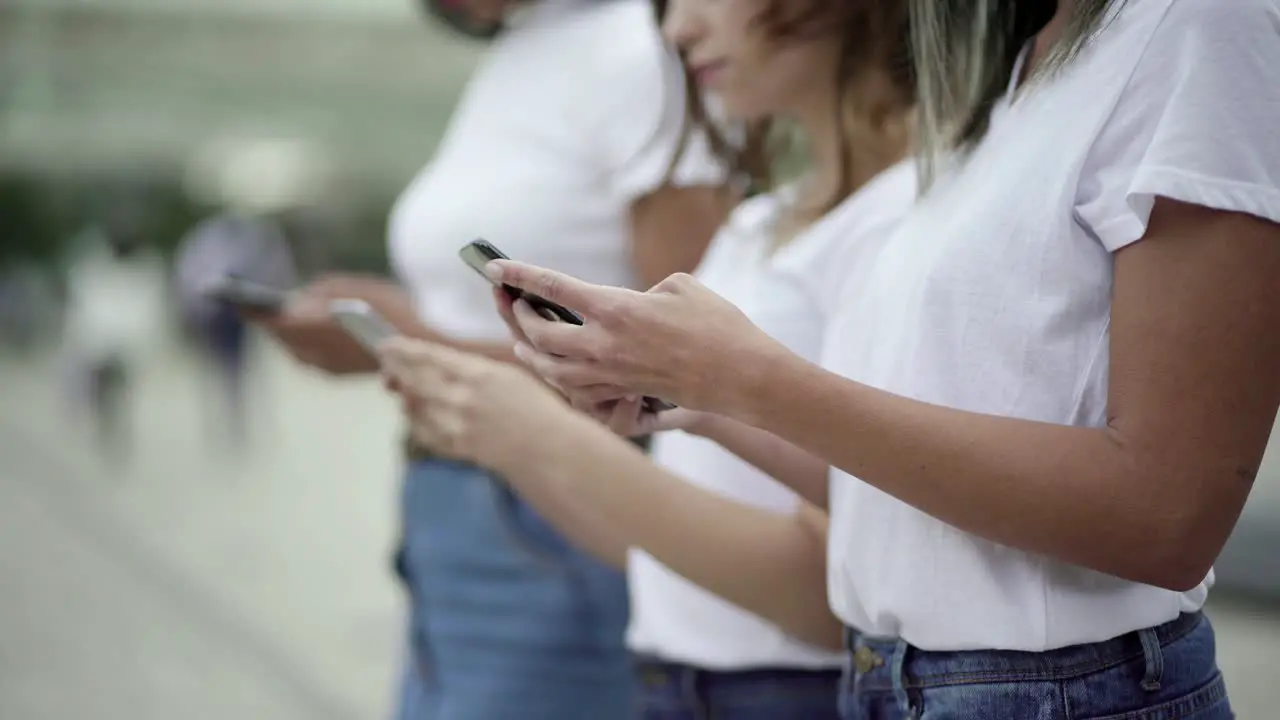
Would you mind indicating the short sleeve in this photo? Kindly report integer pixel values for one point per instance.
(638, 116)
(1197, 122)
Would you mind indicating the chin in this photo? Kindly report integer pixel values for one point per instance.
(741, 109)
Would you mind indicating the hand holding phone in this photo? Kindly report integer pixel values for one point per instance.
(479, 253)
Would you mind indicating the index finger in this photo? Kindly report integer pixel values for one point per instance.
(548, 284)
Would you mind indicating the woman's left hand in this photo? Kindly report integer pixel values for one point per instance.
(470, 407)
(679, 341)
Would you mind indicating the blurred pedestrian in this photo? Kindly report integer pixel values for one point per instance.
(229, 244)
(114, 324)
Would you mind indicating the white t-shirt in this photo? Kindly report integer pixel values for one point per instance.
(994, 297)
(574, 113)
(785, 293)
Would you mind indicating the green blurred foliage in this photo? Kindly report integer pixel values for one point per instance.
(40, 216)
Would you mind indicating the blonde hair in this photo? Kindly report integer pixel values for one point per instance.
(964, 53)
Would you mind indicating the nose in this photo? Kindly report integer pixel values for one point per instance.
(681, 25)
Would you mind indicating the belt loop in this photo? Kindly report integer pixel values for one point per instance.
(1154, 657)
(850, 639)
(693, 691)
(898, 670)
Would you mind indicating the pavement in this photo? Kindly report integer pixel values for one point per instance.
(196, 584)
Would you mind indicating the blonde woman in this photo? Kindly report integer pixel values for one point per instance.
(1047, 402)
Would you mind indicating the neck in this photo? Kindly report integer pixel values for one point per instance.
(1052, 32)
(819, 121)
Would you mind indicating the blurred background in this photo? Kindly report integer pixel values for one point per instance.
(219, 570)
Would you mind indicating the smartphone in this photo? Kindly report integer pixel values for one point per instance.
(362, 322)
(478, 253)
(249, 295)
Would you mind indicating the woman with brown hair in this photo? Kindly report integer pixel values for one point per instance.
(837, 73)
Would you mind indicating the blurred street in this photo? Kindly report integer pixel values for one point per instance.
(196, 585)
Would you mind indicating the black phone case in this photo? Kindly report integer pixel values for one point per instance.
(545, 308)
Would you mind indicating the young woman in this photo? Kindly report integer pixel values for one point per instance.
(560, 151)
(1049, 398)
(698, 655)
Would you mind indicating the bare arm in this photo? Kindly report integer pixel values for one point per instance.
(1153, 496)
(672, 226)
(793, 466)
(738, 552)
(306, 329)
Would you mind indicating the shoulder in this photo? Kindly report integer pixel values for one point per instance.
(623, 74)
(1204, 37)
(618, 34)
(1188, 19)
(1194, 121)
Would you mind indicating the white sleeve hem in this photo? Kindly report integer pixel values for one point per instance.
(1150, 183)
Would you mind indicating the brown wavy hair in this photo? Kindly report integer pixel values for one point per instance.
(876, 86)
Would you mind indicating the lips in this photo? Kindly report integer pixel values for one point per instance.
(706, 73)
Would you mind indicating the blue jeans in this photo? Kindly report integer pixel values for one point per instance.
(507, 621)
(1162, 673)
(670, 691)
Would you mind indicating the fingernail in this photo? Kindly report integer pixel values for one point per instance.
(522, 351)
(493, 271)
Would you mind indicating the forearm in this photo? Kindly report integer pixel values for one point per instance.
(793, 466)
(738, 552)
(501, 350)
(575, 520)
(401, 312)
(1075, 494)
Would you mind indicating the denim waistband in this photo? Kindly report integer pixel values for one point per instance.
(884, 663)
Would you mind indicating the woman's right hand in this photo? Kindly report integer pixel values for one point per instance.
(615, 407)
(308, 332)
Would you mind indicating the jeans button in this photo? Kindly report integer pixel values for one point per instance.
(865, 660)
